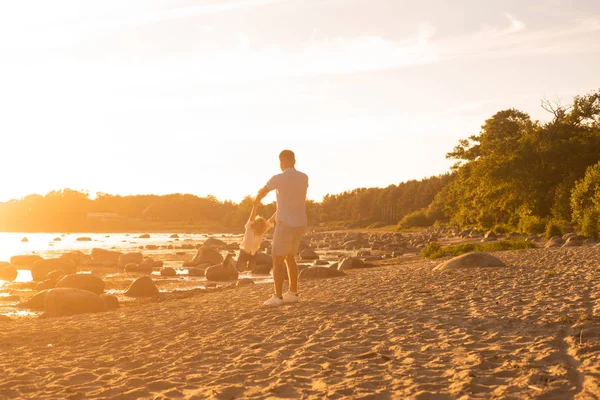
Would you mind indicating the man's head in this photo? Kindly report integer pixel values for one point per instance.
(287, 159)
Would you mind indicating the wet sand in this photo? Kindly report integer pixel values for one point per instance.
(531, 330)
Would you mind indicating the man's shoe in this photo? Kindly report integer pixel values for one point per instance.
(273, 301)
(290, 297)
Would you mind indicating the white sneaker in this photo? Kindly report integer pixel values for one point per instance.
(273, 301)
(290, 297)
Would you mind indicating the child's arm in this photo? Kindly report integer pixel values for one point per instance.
(253, 212)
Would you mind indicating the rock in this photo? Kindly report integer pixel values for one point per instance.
(351, 263)
(262, 269)
(573, 243)
(25, 262)
(320, 273)
(69, 301)
(83, 239)
(142, 287)
(363, 253)
(174, 236)
(55, 275)
(139, 268)
(308, 254)
(106, 256)
(57, 239)
(12, 297)
(168, 271)
(36, 302)
(208, 255)
(24, 240)
(263, 259)
(91, 283)
(321, 262)
(8, 272)
(144, 236)
(111, 302)
(151, 247)
(193, 271)
(130, 258)
(5, 318)
(470, 260)
(40, 269)
(373, 258)
(212, 242)
(490, 235)
(76, 257)
(226, 271)
(244, 282)
(489, 239)
(46, 284)
(590, 242)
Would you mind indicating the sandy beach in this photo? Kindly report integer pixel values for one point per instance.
(400, 330)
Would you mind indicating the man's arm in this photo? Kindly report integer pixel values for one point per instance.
(261, 194)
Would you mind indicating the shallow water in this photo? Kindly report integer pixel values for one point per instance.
(45, 245)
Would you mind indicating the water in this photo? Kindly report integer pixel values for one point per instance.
(45, 245)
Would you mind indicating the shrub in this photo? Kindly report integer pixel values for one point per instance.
(590, 223)
(435, 250)
(501, 229)
(553, 228)
(378, 224)
(585, 193)
(531, 224)
(416, 219)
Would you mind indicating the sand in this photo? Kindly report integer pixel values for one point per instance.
(530, 330)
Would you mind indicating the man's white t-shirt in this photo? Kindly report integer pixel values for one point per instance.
(251, 242)
(291, 186)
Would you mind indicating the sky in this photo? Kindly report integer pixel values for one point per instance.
(157, 96)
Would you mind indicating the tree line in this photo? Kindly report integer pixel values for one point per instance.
(515, 174)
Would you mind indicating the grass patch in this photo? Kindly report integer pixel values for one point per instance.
(435, 250)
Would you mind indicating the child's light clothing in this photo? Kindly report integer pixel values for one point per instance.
(251, 242)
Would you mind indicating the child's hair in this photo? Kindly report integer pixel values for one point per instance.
(259, 225)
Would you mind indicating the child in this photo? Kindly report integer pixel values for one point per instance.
(256, 227)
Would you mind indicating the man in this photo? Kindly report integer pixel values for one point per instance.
(291, 186)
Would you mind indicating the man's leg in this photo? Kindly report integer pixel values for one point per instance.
(292, 268)
(278, 275)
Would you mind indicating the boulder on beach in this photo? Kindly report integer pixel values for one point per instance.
(24, 240)
(8, 272)
(320, 273)
(106, 255)
(139, 268)
(215, 243)
(261, 269)
(75, 256)
(168, 271)
(91, 283)
(207, 254)
(56, 239)
(144, 236)
(263, 259)
(151, 247)
(193, 271)
(111, 302)
(308, 254)
(470, 260)
(142, 287)
(84, 239)
(555, 241)
(174, 236)
(36, 302)
(130, 258)
(46, 284)
(226, 271)
(26, 261)
(40, 269)
(351, 263)
(244, 282)
(69, 301)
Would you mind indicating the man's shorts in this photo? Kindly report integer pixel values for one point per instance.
(286, 239)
